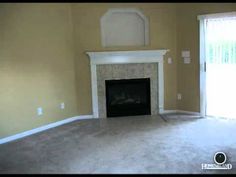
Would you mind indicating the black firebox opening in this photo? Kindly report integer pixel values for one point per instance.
(128, 97)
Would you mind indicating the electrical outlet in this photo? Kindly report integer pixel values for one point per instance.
(39, 111)
(62, 105)
(179, 96)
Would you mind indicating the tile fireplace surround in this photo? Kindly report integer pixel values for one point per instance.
(127, 65)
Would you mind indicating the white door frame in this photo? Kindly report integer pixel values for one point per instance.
(202, 68)
(202, 59)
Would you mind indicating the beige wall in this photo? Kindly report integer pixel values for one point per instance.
(188, 39)
(43, 60)
(86, 18)
(36, 66)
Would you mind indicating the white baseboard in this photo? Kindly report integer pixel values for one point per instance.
(180, 111)
(168, 111)
(188, 112)
(68, 120)
(43, 128)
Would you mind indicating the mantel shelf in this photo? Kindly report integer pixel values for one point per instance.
(139, 56)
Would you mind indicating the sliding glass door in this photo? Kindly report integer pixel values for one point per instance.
(219, 45)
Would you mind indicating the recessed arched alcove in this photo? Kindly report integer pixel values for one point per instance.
(124, 27)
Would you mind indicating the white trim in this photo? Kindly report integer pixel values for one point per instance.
(124, 57)
(94, 90)
(161, 86)
(125, 10)
(43, 128)
(180, 111)
(217, 15)
(202, 71)
(168, 111)
(188, 112)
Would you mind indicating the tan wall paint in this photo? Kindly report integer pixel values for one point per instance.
(36, 65)
(43, 60)
(86, 18)
(188, 39)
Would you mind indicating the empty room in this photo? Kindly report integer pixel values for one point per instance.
(117, 88)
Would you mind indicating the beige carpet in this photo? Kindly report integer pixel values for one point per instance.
(127, 145)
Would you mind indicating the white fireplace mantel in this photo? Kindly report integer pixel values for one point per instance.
(126, 57)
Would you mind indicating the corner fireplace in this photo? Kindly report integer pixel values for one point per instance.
(103, 66)
(127, 97)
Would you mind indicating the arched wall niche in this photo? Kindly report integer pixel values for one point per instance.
(124, 27)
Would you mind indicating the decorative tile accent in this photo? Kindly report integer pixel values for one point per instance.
(119, 71)
(135, 71)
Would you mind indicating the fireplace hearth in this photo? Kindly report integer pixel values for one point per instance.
(128, 97)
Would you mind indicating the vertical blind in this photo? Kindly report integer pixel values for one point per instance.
(221, 40)
(220, 52)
